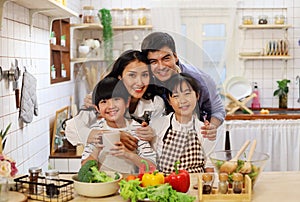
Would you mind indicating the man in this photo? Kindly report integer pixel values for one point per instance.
(161, 52)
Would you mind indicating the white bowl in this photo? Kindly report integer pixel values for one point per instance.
(97, 189)
(83, 50)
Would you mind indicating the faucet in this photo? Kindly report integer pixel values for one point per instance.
(298, 82)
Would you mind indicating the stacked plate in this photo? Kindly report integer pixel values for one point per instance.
(239, 87)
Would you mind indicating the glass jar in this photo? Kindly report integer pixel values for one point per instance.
(223, 184)
(247, 20)
(207, 179)
(127, 14)
(279, 19)
(142, 17)
(263, 19)
(237, 184)
(88, 14)
(52, 183)
(117, 17)
(34, 173)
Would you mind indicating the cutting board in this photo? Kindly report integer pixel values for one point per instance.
(14, 196)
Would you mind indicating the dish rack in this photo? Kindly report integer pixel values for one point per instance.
(40, 190)
(230, 196)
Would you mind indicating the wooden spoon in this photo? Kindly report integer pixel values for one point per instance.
(230, 166)
(247, 165)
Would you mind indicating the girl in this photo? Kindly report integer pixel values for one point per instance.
(178, 135)
(112, 100)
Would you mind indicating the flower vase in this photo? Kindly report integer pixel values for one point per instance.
(3, 189)
(283, 99)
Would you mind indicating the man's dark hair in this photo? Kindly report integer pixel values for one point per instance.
(157, 40)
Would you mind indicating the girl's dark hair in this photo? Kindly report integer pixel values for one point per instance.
(177, 80)
(126, 58)
(108, 88)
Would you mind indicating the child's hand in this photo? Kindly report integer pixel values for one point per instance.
(209, 131)
(120, 150)
(95, 136)
(145, 132)
(128, 140)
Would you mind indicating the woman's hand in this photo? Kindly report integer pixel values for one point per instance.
(209, 131)
(128, 140)
(145, 132)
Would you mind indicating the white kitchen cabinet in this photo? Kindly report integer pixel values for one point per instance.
(50, 8)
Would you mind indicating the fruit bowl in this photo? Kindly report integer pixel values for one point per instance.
(97, 189)
(258, 162)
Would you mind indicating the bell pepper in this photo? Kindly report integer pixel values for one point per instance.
(145, 168)
(151, 179)
(179, 180)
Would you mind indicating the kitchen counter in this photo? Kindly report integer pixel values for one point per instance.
(275, 113)
(272, 186)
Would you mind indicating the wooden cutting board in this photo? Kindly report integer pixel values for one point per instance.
(14, 196)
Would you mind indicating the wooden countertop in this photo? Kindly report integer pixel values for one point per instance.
(275, 113)
(272, 186)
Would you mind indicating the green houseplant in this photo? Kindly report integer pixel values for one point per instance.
(282, 92)
(3, 133)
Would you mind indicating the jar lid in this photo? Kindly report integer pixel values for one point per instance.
(52, 173)
(35, 170)
(88, 7)
(223, 176)
(237, 177)
(207, 177)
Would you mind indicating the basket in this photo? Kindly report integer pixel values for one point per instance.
(230, 196)
(42, 192)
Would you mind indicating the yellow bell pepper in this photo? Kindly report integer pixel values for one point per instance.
(153, 179)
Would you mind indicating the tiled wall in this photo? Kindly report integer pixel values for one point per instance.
(267, 72)
(28, 144)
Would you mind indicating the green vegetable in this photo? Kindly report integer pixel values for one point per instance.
(162, 193)
(89, 172)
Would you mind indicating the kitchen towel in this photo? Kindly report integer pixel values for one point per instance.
(28, 98)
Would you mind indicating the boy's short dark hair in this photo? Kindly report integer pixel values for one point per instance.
(107, 88)
(157, 40)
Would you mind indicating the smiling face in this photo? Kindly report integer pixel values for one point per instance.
(113, 111)
(183, 100)
(163, 63)
(136, 78)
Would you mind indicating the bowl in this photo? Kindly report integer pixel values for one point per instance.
(83, 50)
(97, 189)
(258, 162)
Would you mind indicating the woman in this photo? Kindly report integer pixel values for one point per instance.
(133, 69)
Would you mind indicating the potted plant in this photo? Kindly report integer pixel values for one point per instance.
(282, 92)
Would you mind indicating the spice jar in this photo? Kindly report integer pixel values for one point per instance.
(52, 183)
(127, 14)
(237, 184)
(88, 14)
(142, 18)
(279, 19)
(247, 20)
(117, 17)
(263, 19)
(34, 173)
(223, 184)
(207, 183)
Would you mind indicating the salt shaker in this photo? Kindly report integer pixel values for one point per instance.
(223, 184)
(52, 183)
(237, 184)
(33, 177)
(207, 183)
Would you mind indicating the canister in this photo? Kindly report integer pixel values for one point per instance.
(52, 183)
(88, 14)
(127, 14)
(34, 173)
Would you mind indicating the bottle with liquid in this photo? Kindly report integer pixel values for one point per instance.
(33, 177)
(255, 102)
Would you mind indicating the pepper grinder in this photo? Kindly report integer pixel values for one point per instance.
(207, 183)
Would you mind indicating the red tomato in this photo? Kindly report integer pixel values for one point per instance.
(130, 177)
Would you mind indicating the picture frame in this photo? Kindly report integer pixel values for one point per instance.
(58, 132)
